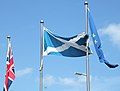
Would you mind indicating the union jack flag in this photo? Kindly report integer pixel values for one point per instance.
(10, 73)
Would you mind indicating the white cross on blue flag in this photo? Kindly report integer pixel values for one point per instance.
(70, 47)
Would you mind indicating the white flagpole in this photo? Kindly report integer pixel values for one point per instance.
(87, 56)
(8, 39)
(41, 55)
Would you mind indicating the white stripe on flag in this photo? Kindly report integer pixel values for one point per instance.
(71, 42)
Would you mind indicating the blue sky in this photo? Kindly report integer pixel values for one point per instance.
(20, 19)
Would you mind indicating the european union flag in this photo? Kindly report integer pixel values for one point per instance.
(97, 43)
(70, 47)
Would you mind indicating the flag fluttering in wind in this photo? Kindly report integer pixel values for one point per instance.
(10, 73)
(70, 47)
(97, 43)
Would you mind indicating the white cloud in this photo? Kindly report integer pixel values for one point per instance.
(49, 80)
(76, 84)
(105, 83)
(113, 31)
(23, 72)
(68, 83)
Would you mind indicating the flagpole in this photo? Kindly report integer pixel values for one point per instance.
(87, 56)
(41, 55)
(8, 39)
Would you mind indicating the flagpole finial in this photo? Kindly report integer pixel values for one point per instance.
(41, 21)
(86, 3)
(8, 37)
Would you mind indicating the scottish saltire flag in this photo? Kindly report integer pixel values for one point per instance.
(97, 43)
(70, 47)
(10, 73)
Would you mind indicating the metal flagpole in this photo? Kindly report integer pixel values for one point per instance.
(87, 56)
(8, 39)
(41, 55)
